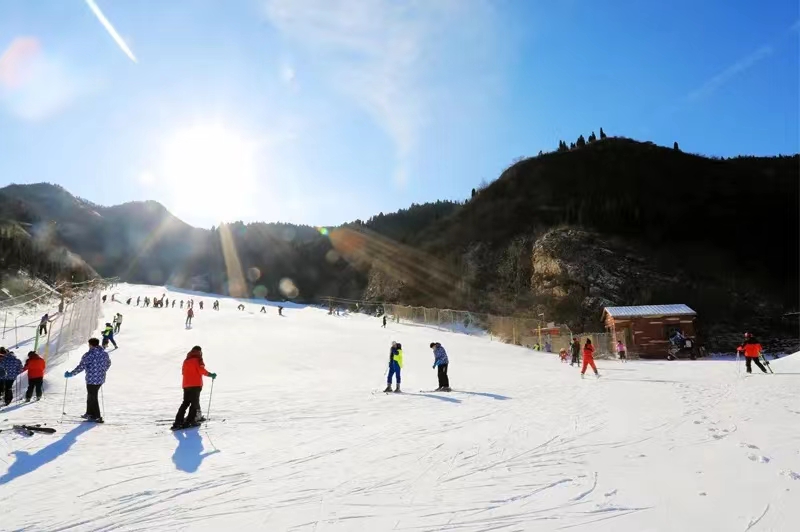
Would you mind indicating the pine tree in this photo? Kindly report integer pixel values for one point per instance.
(602, 134)
(675, 147)
(581, 142)
(592, 137)
(473, 192)
(572, 146)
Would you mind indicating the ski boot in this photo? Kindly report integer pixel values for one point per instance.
(388, 388)
(447, 389)
(397, 389)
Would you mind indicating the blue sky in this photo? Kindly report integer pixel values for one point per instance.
(324, 111)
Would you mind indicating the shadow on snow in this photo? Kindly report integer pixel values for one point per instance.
(189, 454)
(434, 396)
(496, 396)
(28, 463)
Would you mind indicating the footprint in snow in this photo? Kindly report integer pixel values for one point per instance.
(756, 458)
(791, 474)
(611, 493)
(748, 445)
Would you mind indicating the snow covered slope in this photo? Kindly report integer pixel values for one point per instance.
(299, 440)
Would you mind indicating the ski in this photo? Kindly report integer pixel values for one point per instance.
(37, 428)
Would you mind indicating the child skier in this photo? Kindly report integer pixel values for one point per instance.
(575, 348)
(10, 367)
(752, 352)
(193, 371)
(35, 368)
(108, 336)
(395, 365)
(96, 363)
(441, 363)
(588, 358)
(189, 316)
(621, 351)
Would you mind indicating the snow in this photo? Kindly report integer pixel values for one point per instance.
(302, 439)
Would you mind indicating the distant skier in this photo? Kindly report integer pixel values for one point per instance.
(575, 350)
(548, 347)
(621, 351)
(216, 304)
(441, 363)
(201, 305)
(128, 302)
(95, 362)
(118, 324)
(35, 367)
(189, 316)
(752, 352)
(240, 307)
(166, 302)
(104, 298)
(263, 309)
(173, 303)
(384, 321)
(108, 336)
(280, 311)
(138, 300)
(193, 371)
(588, 357)
(181, 303)
(43, 325)
(395, 365)
(10, 367)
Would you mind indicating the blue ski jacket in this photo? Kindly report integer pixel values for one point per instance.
(440, 355)
(10, 367)
(96, 363)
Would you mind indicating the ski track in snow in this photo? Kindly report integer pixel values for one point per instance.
(308, 442)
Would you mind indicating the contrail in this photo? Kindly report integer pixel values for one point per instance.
(110, 29)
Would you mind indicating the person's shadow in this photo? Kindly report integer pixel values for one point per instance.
(189, 454)
(27, 463)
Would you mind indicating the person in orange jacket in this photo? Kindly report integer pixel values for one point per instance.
(193, 371)
(35, 368)
(752, 350)
(588, 357)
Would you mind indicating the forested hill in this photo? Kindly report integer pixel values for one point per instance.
(613, 221)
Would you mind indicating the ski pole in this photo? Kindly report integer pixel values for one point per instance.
(64, 405)
(210, 394)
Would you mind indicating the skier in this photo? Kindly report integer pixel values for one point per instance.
(108, 336)
(395, 365)
(548, 347)
(138, 300)
(280, 311)
(201, 305)
(43, 325)
(263, 309)
(562, 354)
(173, 303)
(118, 324)
(575, 349)
(181, 303)
(752, 352)
(189, 316)
(621, 351)
(588, 358)
(193, 371)
(10, 367)
(240, 307)
(96, 363)
(35, 368)
(128, 302)
(166, 302)
(104, 298)
(441, 363)
(384, 321)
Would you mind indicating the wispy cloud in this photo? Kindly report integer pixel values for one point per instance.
(736, 69)
(110, 29)
(34, 84)
(400, 61)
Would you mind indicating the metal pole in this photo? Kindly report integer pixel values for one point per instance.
(64, 405)
(5, 319)
(16, 339)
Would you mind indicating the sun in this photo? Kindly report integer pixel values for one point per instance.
(210, 172)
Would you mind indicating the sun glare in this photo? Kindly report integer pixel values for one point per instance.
(210, 169)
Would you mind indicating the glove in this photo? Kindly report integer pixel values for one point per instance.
(212, 375)
(433, 367)
(67, 374)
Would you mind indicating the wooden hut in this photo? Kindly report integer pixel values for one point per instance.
(646, 329)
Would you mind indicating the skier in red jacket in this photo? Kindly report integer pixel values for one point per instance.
(35, 368)
(588, 357)
(193, 371)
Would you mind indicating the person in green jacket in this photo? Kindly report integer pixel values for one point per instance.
(395, 364)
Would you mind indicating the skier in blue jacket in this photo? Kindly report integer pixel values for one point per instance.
(441, 363)
(10, 367)
(95, 363)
